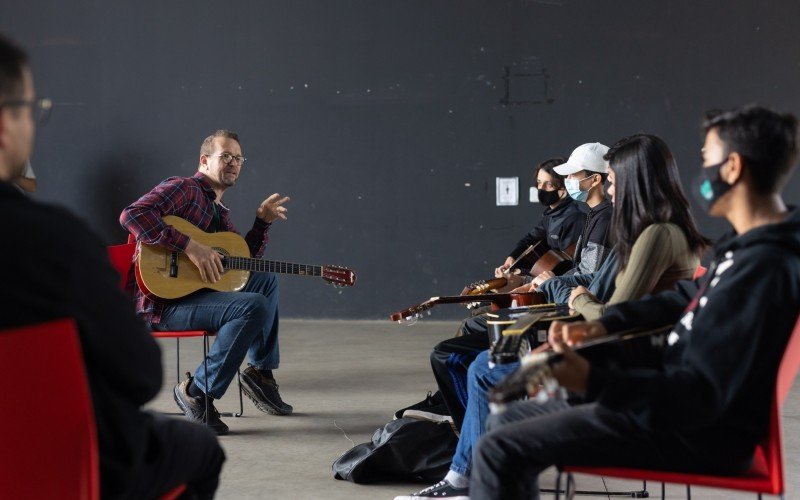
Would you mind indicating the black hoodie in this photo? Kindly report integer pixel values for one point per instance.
(716, 384)
(559, 228)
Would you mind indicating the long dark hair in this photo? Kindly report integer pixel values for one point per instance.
(647, 191)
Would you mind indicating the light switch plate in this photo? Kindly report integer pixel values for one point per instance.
(507, 191)
(534, 196)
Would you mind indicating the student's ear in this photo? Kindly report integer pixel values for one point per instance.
(597, 179)
(733, 170)
(203, 162)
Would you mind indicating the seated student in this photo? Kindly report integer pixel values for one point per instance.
(562, 220)
(705, 408)
(657, 243)
(61, 269)
(560, 227)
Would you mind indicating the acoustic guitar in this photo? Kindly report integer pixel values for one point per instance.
(501, 300)
(556, 261)
(165, 274)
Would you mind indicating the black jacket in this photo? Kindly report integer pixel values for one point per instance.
(559, 228)
(56, 267)
(716, 384)
(593, 243)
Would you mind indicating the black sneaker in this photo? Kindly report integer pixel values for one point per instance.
(195, 408)
(442, 489)
(431, 408)
(263, 392)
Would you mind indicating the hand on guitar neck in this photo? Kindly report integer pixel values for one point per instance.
(207, 260)
(575, 333)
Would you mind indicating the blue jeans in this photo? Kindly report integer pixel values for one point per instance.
(480, 378)
(245, 322)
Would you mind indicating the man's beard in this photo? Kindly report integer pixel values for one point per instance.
(228, 181)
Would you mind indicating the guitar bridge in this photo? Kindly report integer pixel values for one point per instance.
(173, 264)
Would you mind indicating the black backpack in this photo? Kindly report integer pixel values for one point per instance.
(405, 449)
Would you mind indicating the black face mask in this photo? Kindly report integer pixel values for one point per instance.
(548, 197)
(709, 187)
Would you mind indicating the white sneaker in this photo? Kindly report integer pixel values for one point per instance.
(442, 489)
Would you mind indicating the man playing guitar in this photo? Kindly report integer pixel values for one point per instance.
(245, 322)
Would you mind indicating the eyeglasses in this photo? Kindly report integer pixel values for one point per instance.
(228, 158)
(40, 108)
(545, 185)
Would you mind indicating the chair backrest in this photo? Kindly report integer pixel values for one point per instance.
(699, 272)
(48, 437)
(121, 257)
(773, 447)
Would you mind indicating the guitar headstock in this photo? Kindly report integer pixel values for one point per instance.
(483, 286)
(412, 314)
(339, 276)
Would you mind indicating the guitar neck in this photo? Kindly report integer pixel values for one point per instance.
(270, 266)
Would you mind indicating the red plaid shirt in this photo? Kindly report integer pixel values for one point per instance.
(191, 198)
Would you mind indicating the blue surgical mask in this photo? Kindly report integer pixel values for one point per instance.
(574, 189)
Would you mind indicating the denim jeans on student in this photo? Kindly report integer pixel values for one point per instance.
(245, 322)
(480, 378)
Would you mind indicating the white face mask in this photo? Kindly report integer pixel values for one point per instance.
(574, 189)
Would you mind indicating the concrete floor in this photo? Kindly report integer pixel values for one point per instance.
(345, 379)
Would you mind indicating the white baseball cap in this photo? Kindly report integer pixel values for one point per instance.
(585, 157)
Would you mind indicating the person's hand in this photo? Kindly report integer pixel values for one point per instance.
(207, 260)
(578, 290)
(502, 271)
(272, 208)
(575, 333)
(538, 280)
(526, 288)
(572, 372)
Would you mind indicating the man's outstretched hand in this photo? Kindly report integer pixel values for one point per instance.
(272, 208)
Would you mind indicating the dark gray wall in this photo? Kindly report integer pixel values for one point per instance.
(373, 115)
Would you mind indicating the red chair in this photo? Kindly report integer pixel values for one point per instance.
(766, 472)
(43, 457)
(63, 461)
(699, 272)
(121, 257)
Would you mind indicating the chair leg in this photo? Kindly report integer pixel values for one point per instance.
(178, 358)
(558, 485)
(688, 492)
(569, 488)
(205, 369)
(663, 491)
(241, 400)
